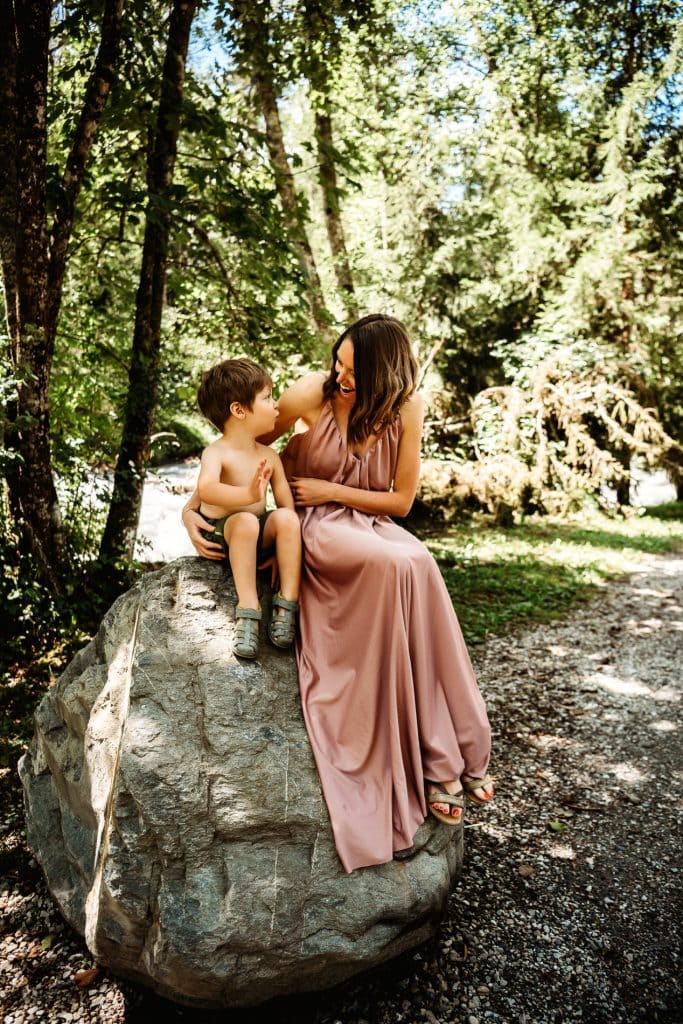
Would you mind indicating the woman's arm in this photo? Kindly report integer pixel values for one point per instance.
(397, 502)
(278, 482)
(194, 523)
(302, 401)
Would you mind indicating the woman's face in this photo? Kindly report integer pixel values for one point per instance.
(343, 369)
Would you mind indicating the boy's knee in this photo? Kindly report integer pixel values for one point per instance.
(286, 520)
(244, 525)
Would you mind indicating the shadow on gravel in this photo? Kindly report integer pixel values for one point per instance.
(356, 999)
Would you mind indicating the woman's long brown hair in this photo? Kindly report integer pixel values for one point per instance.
(385, 372)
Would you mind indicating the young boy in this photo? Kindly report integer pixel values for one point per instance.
(237, 397)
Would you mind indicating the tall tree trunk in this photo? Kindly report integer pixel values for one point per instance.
(33, 274)
(255, 31)
(333, 221)
(8, 235)
(8, 146)
(291, 203)
(118, 540)
(33, 500)
(623, 485)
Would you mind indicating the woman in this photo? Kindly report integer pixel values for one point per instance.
(391, 705)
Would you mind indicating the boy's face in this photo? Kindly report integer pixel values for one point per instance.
(263, 413)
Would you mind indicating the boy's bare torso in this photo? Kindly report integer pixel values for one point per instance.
(238, 466)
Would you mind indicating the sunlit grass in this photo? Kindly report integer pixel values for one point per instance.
(544, 567)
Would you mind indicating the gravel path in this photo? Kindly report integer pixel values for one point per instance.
(569, 905)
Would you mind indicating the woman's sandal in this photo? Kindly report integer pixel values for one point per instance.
(469, 784)
(444, 797)
(246, 631)
(281, 628)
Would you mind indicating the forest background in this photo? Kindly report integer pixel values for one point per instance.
(184, 181)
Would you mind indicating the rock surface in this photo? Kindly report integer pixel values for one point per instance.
(174, 805)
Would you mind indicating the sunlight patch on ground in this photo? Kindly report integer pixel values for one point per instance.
(632, 687)
(547, 741)
(649, 591)
(626, 772)
(625, 687)
(663, 725)
(666, 693)
(644, 627)
(500, 834)
(557, 650)
(562, 852)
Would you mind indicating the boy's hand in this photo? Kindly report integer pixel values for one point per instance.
(258, 485)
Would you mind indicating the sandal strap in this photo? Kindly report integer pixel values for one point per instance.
(277, 621)
(470, 784)
(444, 797)
(246, 634)
(283, 602)
(248, 613)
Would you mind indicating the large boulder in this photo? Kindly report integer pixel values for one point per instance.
(174, 805)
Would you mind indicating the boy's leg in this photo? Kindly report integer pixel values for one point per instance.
(241, 535)
(283, 530)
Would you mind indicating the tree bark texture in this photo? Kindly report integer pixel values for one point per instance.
(118, 540)
(33, 498)
(333, 221)
(8, 144)
(33, 271)
(8, 233)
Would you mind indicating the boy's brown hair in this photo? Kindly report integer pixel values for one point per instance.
(233, 380)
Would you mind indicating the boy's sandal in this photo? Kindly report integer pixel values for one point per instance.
(442, 796)
(246, 631)
(469, 784)
(281, 628)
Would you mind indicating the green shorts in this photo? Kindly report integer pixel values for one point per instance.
(216, 533)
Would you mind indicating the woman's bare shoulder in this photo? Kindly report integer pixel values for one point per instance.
(303, 400)
(311, 384)
(305, 396)
(412, 410)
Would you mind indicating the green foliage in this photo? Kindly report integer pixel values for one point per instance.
(554, 254)
(671, 510)
(502, 579)
(40, 632)
(510, 185)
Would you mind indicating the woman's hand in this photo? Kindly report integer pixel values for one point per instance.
(194, 523)
(271, 565)
(311, 491)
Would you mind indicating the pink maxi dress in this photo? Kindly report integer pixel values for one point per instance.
(387, 688)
